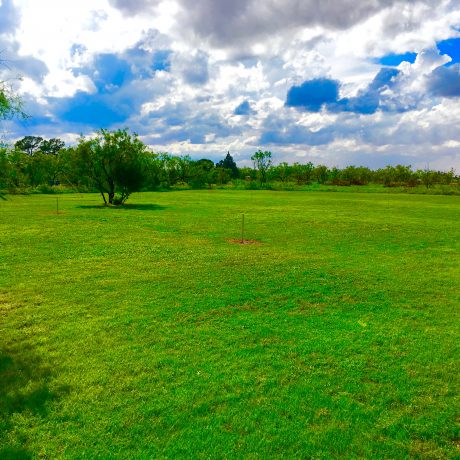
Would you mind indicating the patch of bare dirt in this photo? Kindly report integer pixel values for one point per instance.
(240, 241)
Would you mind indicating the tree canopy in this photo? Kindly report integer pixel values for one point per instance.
(229, 163)
(262, 162)
(114, 162)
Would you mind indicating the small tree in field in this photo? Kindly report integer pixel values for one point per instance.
(113, 162)
(262, 162)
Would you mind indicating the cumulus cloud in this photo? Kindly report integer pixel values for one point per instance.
(346, 79)
(132, 7)
(193, 67)
(9, 17)
(226, 23)
(445, 81)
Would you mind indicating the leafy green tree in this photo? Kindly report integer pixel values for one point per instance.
(29, 144)
(203, 173)
(281, 172)
(321, 174)
(18, 174)
(11, 106)
(302, 172)
(355, 175)
(52, 146)
(428, 177)
(116, 163)
(247, 173)
(205, 164)
(4, 170)
(229, 163)
(54, 167)
(397, 175)
(262, 162)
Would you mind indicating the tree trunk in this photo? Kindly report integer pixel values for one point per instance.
(111, 191)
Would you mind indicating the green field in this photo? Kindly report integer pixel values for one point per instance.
(142, 332)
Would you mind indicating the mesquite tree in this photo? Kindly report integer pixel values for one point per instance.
(113, 162)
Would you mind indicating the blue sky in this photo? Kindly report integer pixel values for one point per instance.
(370, 82)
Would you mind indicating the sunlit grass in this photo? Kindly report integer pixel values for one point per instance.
(144, 333)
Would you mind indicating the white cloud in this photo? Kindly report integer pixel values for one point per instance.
(224, 53)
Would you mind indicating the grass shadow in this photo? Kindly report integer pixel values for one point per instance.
(126, 207)
(23, 390)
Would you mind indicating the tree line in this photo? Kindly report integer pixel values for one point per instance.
(117, 163)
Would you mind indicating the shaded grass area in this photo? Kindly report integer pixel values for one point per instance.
(136, 334)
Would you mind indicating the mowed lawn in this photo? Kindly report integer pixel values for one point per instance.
(144, 333)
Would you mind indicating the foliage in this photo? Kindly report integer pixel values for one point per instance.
(52, 146)
(281, 172)
(113, 162)
(302, 173)
(262, 162)
(29, 144)
(321, 173)
(11, 104)
(35, 163)
(229, 163)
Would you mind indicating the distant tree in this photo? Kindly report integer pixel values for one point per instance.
(229, 163)
(247, 173)
(184, 166)
(281, 172)
(428, 177)
(29, 144)
(4, 171)
(202, 173)
(397, 175)
(52, 146)
(262, 162)
(302, 173)
(355, 175)
(321, 173)
(205, 164)
(114, 162)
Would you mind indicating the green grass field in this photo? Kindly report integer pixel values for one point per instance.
(144, 333)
